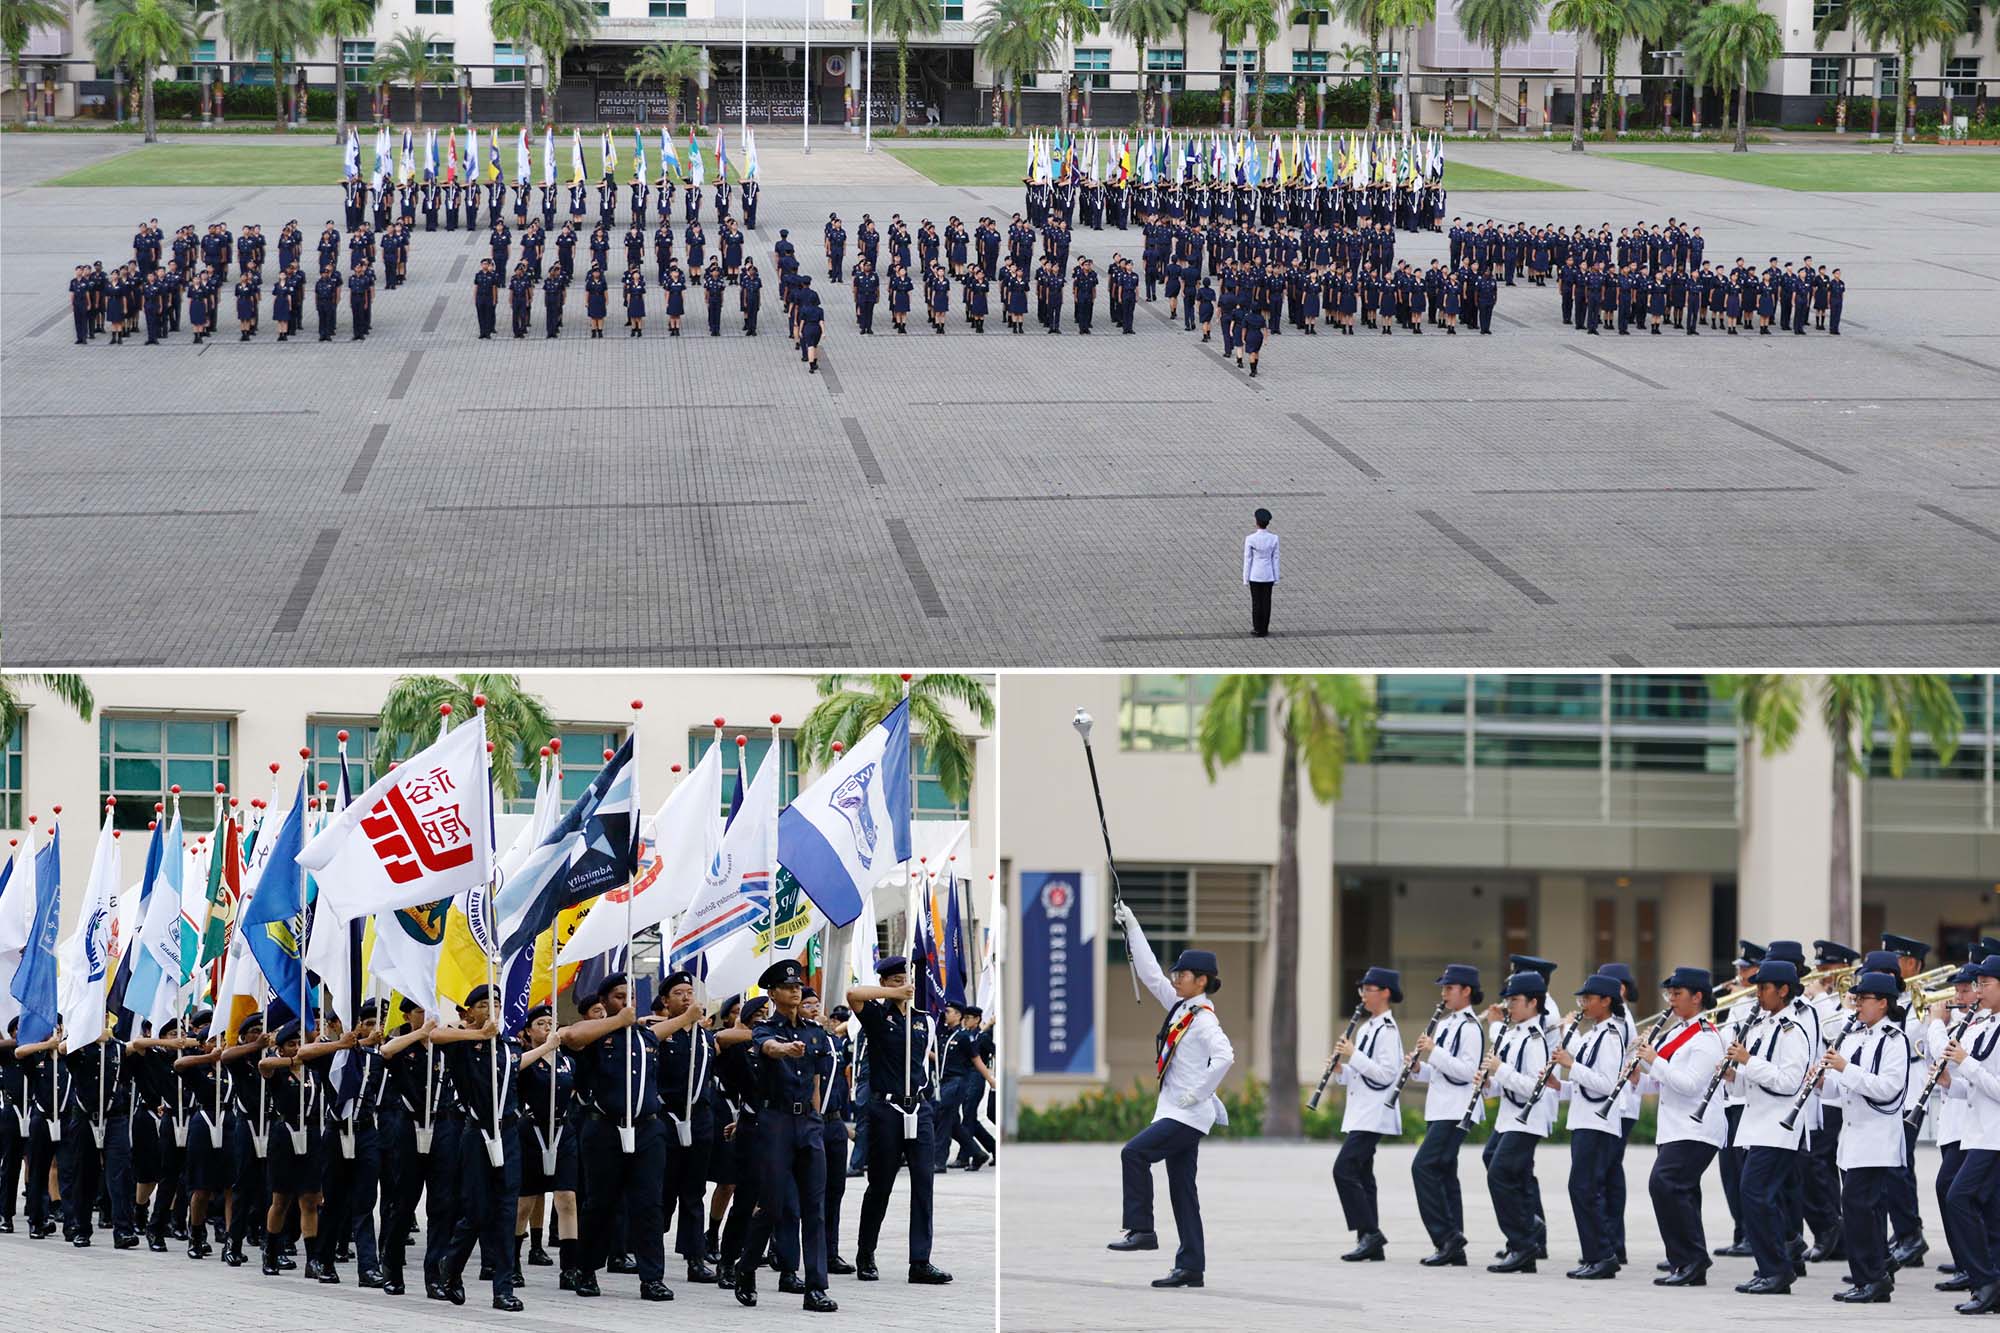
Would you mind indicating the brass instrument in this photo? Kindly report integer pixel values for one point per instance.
(1841, 977)
(1333, 1061)
(1913, 987)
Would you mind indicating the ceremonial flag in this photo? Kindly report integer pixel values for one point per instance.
(222, 892)
(638, 155)
(469, 935)
(548, 155)
(472, 168)
(737, 888)
(593, 850)
(451, 158)
(493, 172)
(17, 917)
(681, 842)
(750, 156)
(351, 162)
(721, 155)
(148, 994)
(669, 155)
(430, 155)
(1034, 155)
(995, 934)
(419, 834)
(405, 955)
(852, 825)
(951, 943)
(575, 157)
(274, 929)
(334, 947)
(697, 173)
(607, 153)
(34, 985)
(524, 158)
(408, 169)
(85, 958)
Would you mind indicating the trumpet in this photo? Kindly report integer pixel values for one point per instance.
(1841, 977)
(1913, 987)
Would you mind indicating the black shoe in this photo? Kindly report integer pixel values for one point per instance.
(510, 1303)
(1451, 1254)
(818, 1302)
(271, 1268)
(539, 1257)
(746, 1290)
(700, 1273)
(789, 1284)
(232, 1254)
(1136, 1240)
(621, 1263)
(864, 1269)
(1694, 1275)
(156, 1243)
(1180, 1277)
(1957, 1282)
(1984, 1301)
(1910, 1255)
(1827, 1252)
(329, 1275)
(486, 1272)
(655, 1291)
(392, 1286)
(1601, 1271)
(1765, 1286)
(126, 1241)
(1946, 1267)
(1739, 1250)
(586, 1285)
(455, 1292)
(1664, 1266)
(1515, 1261)
(1372, 1249)
(371, 1278)
(1868, 1293)
(343, 1253)
(286, 1262)
(838, 1266)
(566, 1280)
(928, 1274)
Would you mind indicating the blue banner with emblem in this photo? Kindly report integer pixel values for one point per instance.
(1058, 973)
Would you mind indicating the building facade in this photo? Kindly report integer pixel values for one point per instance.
(1582, 818)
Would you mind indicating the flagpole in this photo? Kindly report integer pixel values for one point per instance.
(743, 74)
(805, 103)
(777, 808)
(430, 1051)
(627, 1139)
(103, 1021)
(495, 1153)
(868, 84)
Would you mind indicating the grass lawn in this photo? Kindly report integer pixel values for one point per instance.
(1837, 172)
(291, 164)
(996, 164)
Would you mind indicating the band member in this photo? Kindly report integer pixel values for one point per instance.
(1520, 1121)
(1627, 1113)
(1972, 1208)
(1868, 1074)
(1952, 1113)
(1821, 1174)
(1682, 1065)
(1767, 1058)
(1593, 1060)
(1450, 1066)
(1749, 954)
(1372, 1058)
(1906, 1224)
(1193, 1057)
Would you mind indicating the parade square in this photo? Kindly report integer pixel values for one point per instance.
(1534, 496)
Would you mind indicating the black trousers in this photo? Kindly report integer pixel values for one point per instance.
(1614, 1189)
(39, 1156)
(1593, 1160)
(1766, 1185)
(167, 1192)
(1179, 1146)
(1972, 1215)
(833, 1144)
(791, 1160)
(14, 1149)
(1906, 1224)
(1731, 1162)
(1820, 1176)
(1260, 608)
(1517, 1195)
(683, 1181)
(81, 1168)
(888, 1153)
(440, 1179)
(1950, 1157)
(615, 1181)
(486, 1196)
(1864, 1222)
(1354, 1179)
(1434, 1172)
(347, 1198)
(1676, 1190)
(743, 1202)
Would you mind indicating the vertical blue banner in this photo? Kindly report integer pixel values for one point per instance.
(1058, 973)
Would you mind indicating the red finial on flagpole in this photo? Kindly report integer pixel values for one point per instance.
(608, 754)
(175, 789)
(274, 769)
(489, 747)
(838, 747)
(34, 819)
(152, 823)
(904, 676)
(555, 743)
(305, 752)
(675, 769)
(479, 701)
(322, 786)
(637, 704)
(719, 724)
(444, 710)
(742, 741)
(158, 808)
(340, 736)
(776, 719)
(219, 789)
(545, 752)
(114, 833)
(56, 808)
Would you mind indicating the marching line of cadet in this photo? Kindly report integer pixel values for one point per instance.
(1825, 1078)
(733, 1133)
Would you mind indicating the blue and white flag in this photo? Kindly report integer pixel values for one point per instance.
(430, 155)
(736, 894)
(852, 826)
(35, 982)
(594, 850)
(351, 163)
(669, 155)
(17, 915)
(85, 959)
(548, 156)
(750, 156)
(408, 169)
(274, 928)
(157, 957)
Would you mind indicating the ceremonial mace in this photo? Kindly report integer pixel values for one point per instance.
(1082, 723)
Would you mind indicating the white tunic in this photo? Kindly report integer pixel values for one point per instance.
(1950, 1113)
(1369, 1074)
(1871, 1092)
(1600, 1058)
(1768, 1082)
(1745, 1012)
(1683, 1078)
(1453, 1067)
(1524, 1053)
(1201, 1058)
(1975, 1081)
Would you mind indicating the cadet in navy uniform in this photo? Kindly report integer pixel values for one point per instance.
(790, 1151)
(294, 1156)
(750, 296)
(361, 302)
(100, 1094)
(161, 1105)
(1521, 1120)
(47, 1082)
(750, 191)
(713, 285)
(205, 1167)
(548, 1149)
(835, 1071)
(900, 1048)
(425, 1151)
(1593, 1060)
(687, 1058)
(1193, 1057)
(521, 299)
(79, 303)
(1868, 1073)
(1767, 1060)
(14, 1123)
(485, 292)
(554, 287)
(836, 245)
(736, 1091)
(1373, 1058)
(621, 1071)
(358, 1080)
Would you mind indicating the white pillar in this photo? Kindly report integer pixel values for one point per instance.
(1784, 843)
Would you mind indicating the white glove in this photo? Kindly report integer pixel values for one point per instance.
(1189, 1100)
(1121, 915)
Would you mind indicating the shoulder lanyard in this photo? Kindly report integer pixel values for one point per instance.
(1171, 1034)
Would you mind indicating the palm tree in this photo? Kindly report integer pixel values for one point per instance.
(1742, 39)
(850, 705)
(517, 722)
(1908, 25)
(1641, 19)
(1325, 721)
(1016, 38)
(1771, 709)
(407, 57)
(142, 35)
(1498, 24)
(1580, 19)
(67, 689)
(672, 65)
(281, 27)
(1145, 22)
(338, 20)
(1234, 20)
(18, 21)
(552, 25)
(1366, 15)
(1409, 15)
(903, 17)
(1072, 20)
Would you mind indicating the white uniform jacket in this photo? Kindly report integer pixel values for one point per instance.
(1453, 1067)
(1202, 1056)
(1871, 1092)
(1369, 1074)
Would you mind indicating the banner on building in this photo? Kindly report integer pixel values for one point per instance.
(1059, 972)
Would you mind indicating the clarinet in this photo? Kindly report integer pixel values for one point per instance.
(1743, 1026)
(1916, 1114)
(1542, 1082)
(1410, 1068)
(1333, 1061)
(1479, 1088)
(1817, 1072)
(1632, 1066)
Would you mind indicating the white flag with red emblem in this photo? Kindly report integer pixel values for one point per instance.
(422, 833)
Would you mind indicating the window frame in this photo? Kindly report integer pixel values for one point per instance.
(134, 803)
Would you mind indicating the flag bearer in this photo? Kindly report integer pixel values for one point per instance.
(836, 1075)
(790, 1152)
(295, 1158)
(687, 1065)
(621, 1075)
(901, 1115)
(548, 1147)
(1371, 1060)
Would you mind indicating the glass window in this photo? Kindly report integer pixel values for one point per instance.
(1888, 74)
(601, 8)
(1089, 61)
(1164, 713)
(1418, 747)
(11, 785)
(443, 53)
(355, 57)
(1304, 18)
(140, 758)
(931, 801)
(677, 9)
(1308, 62)
(1430, 696)
(1962, 75)
(512, 64)
(204, 52)
(756, 746)
(583, 758)
(1176, 904)
(1162, 62)
(1826, 77)
(1821, 8)
(434, 6)
(1573, 696)
(1667, 699)
(363, 738)
(1162, 899)
(1231, 60)
(954, 13)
